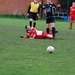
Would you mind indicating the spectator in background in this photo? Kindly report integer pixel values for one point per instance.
(33, 12)
(72, 14)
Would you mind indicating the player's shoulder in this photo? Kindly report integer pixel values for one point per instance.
(32, 2)
(74, 7)
(38, 4)
(70, 7)
(32, 28)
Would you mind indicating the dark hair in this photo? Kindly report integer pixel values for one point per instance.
(26, 26)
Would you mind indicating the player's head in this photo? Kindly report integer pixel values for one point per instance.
(48, 1)
(35, 1)
(27, 27)
(73, 4)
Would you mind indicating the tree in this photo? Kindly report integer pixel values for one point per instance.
(65, 5)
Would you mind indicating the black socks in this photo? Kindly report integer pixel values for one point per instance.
(30, 23)
(53, 31)
(34, 24)
(47, 30)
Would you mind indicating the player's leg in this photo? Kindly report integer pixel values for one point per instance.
(45, 35)
(50, 32)
(31, 19)
(49, 36)
(34, 23)
(53, 29)
(52, 23)
(34, 18)
(47, 26)
(30, 22)
(71, 22)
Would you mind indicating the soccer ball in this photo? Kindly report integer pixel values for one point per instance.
(50, 49)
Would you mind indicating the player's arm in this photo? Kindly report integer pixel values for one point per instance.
(70, 11)
(38, 12)
(27, 36)
(38, 9)
(33, 35)
(57, 7)
(28, 10)
(43, 6)
(22, 36)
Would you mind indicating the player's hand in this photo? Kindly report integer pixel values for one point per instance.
(59, 5)
(40, 2)
(27, 14)
(37, 15)
(31, 38)
(21, 36)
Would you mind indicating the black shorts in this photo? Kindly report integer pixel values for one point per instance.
(50, 20)
(33, 15)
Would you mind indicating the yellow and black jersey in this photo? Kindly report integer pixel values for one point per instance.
(34, 7)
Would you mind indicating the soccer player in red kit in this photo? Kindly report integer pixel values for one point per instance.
(72, 14)
(33, 33)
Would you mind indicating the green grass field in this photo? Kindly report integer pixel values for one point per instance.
(20, 56)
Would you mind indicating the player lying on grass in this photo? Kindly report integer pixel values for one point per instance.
(33, 33)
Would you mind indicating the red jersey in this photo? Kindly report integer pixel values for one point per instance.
(72, 13)
(72, 10)
(29, 34)
(38, 34)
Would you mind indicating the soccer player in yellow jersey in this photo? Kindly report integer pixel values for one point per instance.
(33, 12)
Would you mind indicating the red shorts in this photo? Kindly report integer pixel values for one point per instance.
(42, 36)
(72, 17)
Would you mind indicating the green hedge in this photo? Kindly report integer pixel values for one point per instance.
(12, 16)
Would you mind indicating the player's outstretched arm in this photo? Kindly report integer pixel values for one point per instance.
(22, 36)
(32, 36)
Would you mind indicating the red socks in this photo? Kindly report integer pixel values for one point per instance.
(70, 25)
